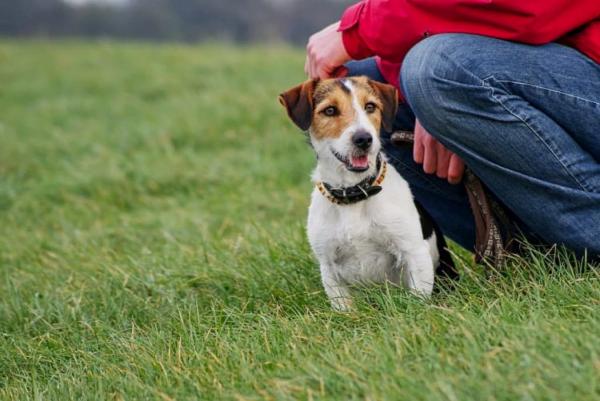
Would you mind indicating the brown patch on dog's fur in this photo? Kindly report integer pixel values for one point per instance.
(330, 93)
(305, 104)
(299, 103)
(389, 97)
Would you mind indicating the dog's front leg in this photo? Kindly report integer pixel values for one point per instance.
(338, 292)
(418, 273)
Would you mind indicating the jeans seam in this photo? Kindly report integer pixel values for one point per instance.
(495, 98)
(546, 89)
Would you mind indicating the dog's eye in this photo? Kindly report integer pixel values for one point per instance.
(370, 107)
(331, 111)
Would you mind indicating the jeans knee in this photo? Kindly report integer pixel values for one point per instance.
(417, 71)
(440, 82)
(430, 66)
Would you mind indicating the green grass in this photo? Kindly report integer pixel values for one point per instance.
(152, 204)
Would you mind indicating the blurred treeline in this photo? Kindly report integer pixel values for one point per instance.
(172, 20)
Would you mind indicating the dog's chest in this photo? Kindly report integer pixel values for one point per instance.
(353, 245)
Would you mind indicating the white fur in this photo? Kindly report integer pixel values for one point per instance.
(373, 241)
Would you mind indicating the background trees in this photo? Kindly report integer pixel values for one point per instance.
(173, 20)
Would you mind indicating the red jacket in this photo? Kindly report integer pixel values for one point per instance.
(389, 28)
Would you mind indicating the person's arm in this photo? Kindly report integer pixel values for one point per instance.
(389, 28)
(325, 52)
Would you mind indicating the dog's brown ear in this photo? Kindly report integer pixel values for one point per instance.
(299, 103)
(389, 97)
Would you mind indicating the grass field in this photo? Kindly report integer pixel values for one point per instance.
(152, 203)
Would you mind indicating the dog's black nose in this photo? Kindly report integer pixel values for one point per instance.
(362, 140)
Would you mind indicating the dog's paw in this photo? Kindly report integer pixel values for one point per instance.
(423, 290)
(341, 304)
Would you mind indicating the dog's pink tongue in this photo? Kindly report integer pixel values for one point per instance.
(360, 161)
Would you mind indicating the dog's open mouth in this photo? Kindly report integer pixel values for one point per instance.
(356, 163)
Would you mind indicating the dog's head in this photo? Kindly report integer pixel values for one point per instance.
(343, 117)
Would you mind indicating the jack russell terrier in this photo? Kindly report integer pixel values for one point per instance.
(363, 224)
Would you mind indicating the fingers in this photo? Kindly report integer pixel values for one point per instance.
(312, 67)
(427, 152)
(310, 64)
(430, 154)
(322, 72)
(314, 71)
(443, 160)
(435, 157)
(310, 60)
(418, 148)
(456, 169)
(307, 67)
(317, 68)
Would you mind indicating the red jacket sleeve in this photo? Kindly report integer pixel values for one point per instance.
(389, 28)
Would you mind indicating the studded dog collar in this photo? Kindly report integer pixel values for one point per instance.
(368, 187)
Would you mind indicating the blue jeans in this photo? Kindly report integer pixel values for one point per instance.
(525, 119)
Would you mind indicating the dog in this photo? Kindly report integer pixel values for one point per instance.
(363, 224)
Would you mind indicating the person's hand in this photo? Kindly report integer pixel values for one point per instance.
(435, 157)
(325, 52)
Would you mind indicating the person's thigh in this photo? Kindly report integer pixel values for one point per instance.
(557, 80)
(447, 204)
(526, 119)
